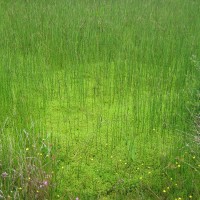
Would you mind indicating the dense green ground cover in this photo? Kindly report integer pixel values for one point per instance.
(99, 99)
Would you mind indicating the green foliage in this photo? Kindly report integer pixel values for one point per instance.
(99, 99)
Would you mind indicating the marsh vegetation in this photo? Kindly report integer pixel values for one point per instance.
(99, 99)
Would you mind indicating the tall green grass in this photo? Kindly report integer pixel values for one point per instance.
(99, 99)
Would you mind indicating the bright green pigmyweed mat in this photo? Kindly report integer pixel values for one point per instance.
(99, 99)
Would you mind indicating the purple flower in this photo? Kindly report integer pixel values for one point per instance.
(4, 174)
(77, 198)
(45, 183)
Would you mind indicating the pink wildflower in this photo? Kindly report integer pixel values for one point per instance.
(45, 183)
(4, 174)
